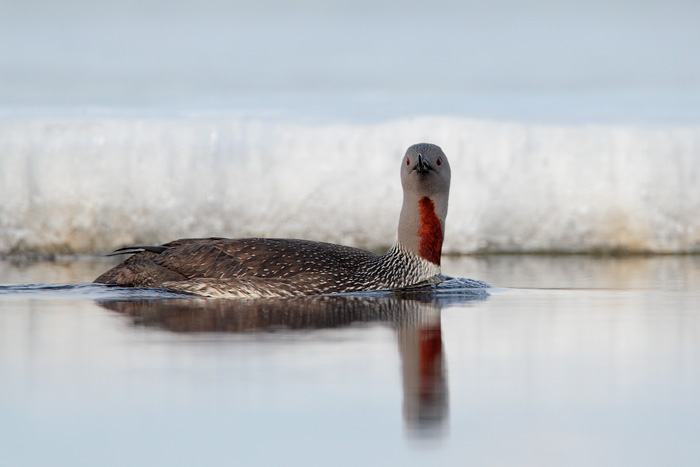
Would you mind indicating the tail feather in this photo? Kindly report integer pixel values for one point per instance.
(132, 250)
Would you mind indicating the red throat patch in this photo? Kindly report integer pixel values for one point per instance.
(430, 232)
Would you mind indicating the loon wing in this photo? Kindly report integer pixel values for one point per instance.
(207, 260)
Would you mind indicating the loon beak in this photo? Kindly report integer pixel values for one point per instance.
(422, 166)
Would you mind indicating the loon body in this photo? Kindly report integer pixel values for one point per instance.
(265, 267)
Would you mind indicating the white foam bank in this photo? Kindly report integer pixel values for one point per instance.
(93, 185)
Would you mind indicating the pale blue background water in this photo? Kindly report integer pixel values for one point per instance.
(588, 362)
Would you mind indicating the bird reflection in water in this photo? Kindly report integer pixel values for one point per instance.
(415, 315)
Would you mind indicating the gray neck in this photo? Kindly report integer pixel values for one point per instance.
(415, 228)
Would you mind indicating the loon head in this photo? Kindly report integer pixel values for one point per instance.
(425, 177)
(425, 171)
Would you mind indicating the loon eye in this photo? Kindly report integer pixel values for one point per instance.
(439, 161)
(408, 161)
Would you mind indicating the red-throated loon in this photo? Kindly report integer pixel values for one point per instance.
(267, 267)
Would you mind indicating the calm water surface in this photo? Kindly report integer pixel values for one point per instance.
(569, 361)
